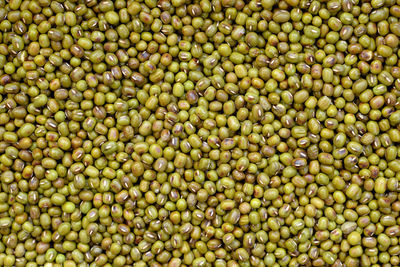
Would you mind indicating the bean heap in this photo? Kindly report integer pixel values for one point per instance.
(199, 133)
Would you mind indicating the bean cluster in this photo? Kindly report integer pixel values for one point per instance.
(199, 133)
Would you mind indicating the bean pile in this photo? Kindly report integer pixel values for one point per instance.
(199, 133)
